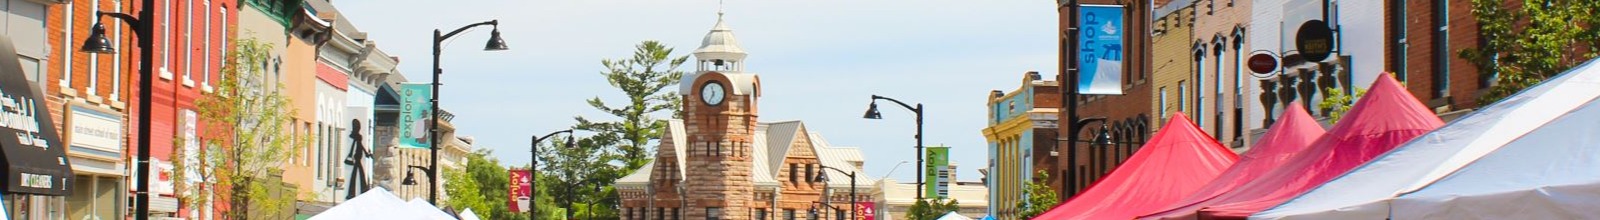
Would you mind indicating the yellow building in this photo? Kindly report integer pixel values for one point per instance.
(1173, 58)
(1021, 136)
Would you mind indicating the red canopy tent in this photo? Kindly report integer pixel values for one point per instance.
(1294, 130)
(1174, 163)
(1383, 119)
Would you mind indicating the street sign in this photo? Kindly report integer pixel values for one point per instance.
(1314, 41)
(1263, 63)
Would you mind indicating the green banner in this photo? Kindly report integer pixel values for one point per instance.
(937, 179)
(415, 113)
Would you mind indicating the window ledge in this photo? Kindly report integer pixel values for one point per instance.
(206, 88)
(165, 74)
(188, 83)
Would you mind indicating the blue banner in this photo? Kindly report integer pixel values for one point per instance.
(415, 114)
(1100, 49)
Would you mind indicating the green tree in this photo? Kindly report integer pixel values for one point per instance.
(1531, 42)
(245, 140)
(1337, 103)
(483, 185)
(645, 79)
(931, 209)
(1040, 197)
(578, 177)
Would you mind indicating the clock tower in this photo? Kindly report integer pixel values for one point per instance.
(719, 116)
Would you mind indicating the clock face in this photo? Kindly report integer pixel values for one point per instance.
(712, 93)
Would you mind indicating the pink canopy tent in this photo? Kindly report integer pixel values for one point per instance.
(1294, 130)
(1383, 119)
(1174, 163)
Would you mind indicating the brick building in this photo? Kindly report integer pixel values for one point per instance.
(1127, 115)
(1427, 37)
(718, 162)
(191, 38)
(87, 94)
(1171, 59)
(1021, 137)
(1217, 88)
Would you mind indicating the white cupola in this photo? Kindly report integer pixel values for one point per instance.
(719, 51)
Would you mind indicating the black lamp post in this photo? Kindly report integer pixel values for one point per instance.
(533, 169)
(872, 113)
(823, 177)
(97, 43)
(495, 44)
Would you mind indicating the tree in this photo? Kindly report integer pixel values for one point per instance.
(484, 186)
(1524, 44)
(645, 80)
(1337, 103)
(931, 209)
(1040, 197)
(579, 177)
(245, 140)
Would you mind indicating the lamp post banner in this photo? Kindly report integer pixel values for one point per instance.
(521, 191)
(865, 210)
(1100, 49)
(414, 112)
(938, 172)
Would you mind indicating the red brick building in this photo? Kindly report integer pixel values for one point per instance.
(1127, 115)
(191, 39)
(719, 162)
(1424, 53)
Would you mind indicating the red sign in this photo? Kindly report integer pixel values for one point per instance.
(865, 210)
(521, 191)
(1263, 63)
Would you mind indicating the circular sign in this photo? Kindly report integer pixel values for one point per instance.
(1314, 41)
(1262, 63)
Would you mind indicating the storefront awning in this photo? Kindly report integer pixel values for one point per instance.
(35, 158)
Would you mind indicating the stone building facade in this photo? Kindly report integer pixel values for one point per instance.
(719, 162)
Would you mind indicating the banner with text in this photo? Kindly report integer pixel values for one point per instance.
(521, 191)
(865, 210)
(415, 113)
(1100, 49)
(938, 173)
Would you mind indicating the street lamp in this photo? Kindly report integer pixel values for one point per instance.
(97, 43)
(411, 179)
(872, 113)
(495, 44)
(823, 178)
(533, 169)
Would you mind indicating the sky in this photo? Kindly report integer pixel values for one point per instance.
(819, 60)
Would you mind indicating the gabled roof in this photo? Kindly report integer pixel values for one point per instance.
(771, 144)
(780, 135)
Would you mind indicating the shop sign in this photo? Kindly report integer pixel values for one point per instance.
(95, 132)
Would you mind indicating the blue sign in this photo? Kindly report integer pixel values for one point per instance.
(1100, 49)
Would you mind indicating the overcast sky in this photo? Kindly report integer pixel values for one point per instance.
(819, 60)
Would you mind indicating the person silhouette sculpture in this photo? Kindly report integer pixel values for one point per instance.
(358, 176)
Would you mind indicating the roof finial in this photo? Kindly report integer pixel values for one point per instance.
(719, 10)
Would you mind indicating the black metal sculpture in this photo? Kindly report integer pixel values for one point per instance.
(358, 176)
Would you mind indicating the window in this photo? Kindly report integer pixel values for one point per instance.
(320, 130)
(94, 64)
(838, 214)
(1441, 49)
(1183, 95)
(793, 174)
(788, 214)
(761, 214)
(206, 71)
(810, 170)
(677, 213)
(660, 213)
(1161, 106)
(713, 213)
(1198, 114)
(188, 44)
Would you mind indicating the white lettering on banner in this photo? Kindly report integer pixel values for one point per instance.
(19, 114)
(37, 180)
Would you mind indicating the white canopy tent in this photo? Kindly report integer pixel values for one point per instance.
(1550, 173)
(423, 210)
(373, 204)
(467, 214)
(1366, 192)
(954, 216)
